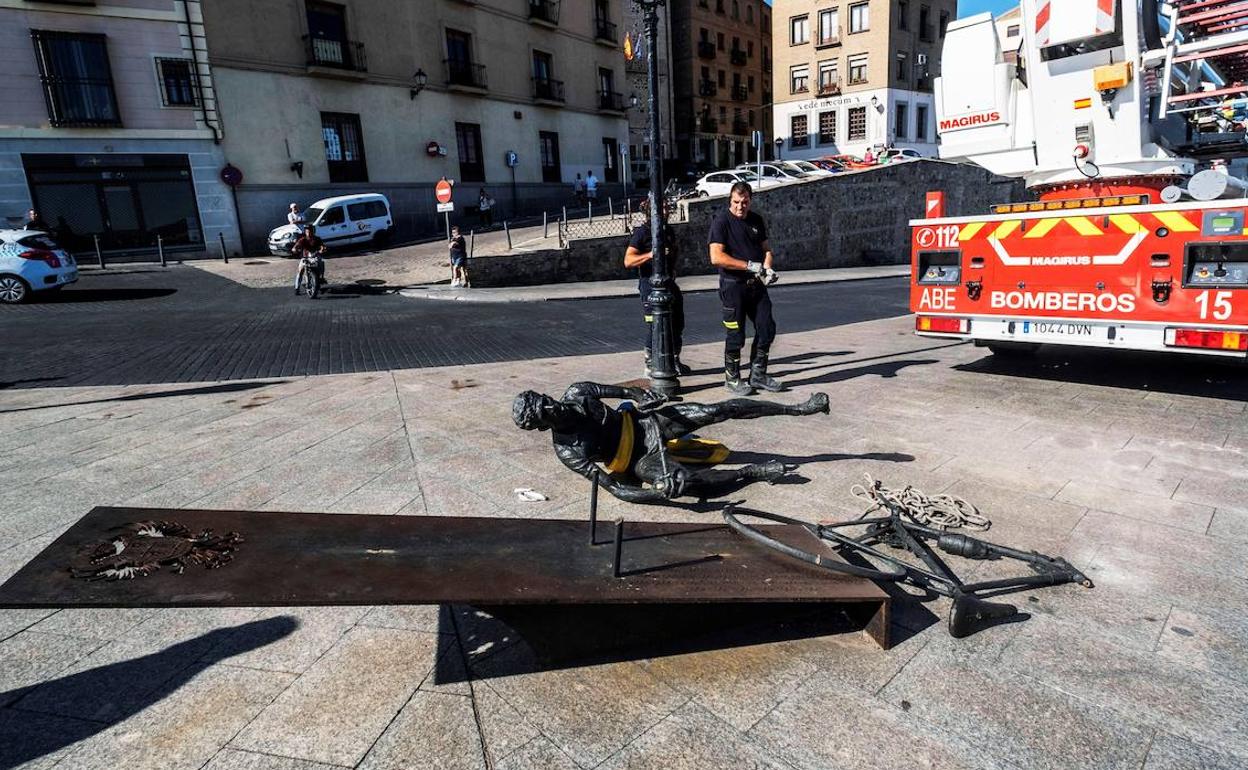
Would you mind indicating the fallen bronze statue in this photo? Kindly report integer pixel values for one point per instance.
(900, 529)
(641, 443)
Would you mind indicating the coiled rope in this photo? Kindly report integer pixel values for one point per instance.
(939, 511)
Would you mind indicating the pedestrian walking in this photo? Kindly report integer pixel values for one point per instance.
(34, 221)
(459, 259)
(740, 250)
(591, 185)
(640, 255)
(578, 189)
(485, 208)
(295, 216)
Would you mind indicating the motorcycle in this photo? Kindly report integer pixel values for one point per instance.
(311, 274)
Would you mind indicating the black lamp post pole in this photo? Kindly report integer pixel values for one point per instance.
(663, 376)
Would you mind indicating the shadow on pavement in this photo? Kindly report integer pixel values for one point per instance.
(27, 381)
(1178, 374)
(499, 641)
(825, 457)
(225, 387)
(70, 295)
(33, 722)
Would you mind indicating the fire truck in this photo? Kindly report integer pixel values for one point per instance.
(1122, 121)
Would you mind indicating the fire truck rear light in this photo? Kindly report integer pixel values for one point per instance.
(1035, 207)
(1111, 201)
(1073, 204)
(1002, 209)
(1052, 205)
(1018, 208)
(942, 324)
(1207, 338)
(1133, 200)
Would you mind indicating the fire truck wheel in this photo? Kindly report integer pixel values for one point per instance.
(1013, 349)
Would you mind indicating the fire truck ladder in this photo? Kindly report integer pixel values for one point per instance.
(1205, 76)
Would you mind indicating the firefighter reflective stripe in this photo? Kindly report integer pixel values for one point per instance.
(1082, 225)
(970, 231)
(1127, 223)
(1005, 228)
(648, 318)
(623, 452)
(732, 325)
(1175, 221)
(1042, 227)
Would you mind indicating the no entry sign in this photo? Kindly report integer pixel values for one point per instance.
(443, 191)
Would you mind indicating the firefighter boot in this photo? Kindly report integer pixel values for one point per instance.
(759, 377)
(732, 376)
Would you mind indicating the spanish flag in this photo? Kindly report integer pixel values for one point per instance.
(628, 47)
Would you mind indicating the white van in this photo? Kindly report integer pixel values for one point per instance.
(339, 221)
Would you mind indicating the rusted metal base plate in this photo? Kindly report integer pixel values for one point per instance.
(291, 559)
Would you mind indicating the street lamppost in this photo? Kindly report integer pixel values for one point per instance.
(663, 376)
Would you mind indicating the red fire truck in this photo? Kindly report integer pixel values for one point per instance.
(1128, 244)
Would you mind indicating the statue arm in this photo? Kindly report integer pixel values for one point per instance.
(596, 390)
(629, 493)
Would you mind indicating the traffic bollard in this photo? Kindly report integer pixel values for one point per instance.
(160, 249)
(545, 227)
(507, 229)
(611, 208)
(225, 257)
(591, 212)
(99, 255)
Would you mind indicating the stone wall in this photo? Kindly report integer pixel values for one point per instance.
(853, 219)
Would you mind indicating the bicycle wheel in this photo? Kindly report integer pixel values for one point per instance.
(896, 570)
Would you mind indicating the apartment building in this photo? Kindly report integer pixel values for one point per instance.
(324, 98)
(721, 67)
(857, 74)
(109, 126)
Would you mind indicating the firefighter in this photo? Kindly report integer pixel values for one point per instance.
(739, 249)
(639, 255)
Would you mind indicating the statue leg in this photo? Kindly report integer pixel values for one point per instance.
(680, 419)
(706, 483)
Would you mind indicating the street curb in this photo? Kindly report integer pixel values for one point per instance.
(447, 294)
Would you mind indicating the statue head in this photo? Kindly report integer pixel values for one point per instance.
(535, 411)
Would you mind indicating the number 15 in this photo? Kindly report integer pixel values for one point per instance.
(1221, 305)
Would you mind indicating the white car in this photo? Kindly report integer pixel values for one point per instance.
(808, 168)
(339, 221)
(721, 182)
(30, 261)
(777, 171)
(892, 156)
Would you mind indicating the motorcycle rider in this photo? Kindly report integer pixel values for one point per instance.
(308, 244)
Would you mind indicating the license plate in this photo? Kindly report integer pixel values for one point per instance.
(1063, 329)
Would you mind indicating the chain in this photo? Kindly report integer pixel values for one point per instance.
(940, 511)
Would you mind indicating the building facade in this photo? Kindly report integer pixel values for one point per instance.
(321, 98)
(721, 60)
(853, 75)
(109, 127)
(637, 75)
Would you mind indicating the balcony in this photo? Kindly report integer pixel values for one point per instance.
(464, 74)
(740, 93)
(548, 90)
(830, 87)
(706, 49)
(544, 12)
(610, 101)
(737, 56)
(740, 128)
(707, 88)
(604, 32)
(859, 80)
(832, 39)
(708, 125)
(345, 56)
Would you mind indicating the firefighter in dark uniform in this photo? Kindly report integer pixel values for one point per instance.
(639, 255)
(739, 248)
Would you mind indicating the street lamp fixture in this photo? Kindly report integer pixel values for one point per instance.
(633, 101)
(419, 81)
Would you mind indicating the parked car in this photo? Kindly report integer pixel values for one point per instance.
(850, 161)
(721, 182)
(809, 168)
(829, 165)
(339, 221)
(896, 154)
(30, 261)
(776, 171)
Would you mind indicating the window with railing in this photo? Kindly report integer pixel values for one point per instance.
(76, 78)
(544, 11)
(327, 44)
(827, 127)
(178, 86)
(604, 28)
(545, 87)
(799, 135)
(799, 79)
(856, 117)
(460, 68)
(829, 28)
(829, 79)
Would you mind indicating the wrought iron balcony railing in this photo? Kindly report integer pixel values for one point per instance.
(605, 31)
(548, 89)
(338, 54)
(611, 101)
(706, 49)
(707, 88)
(740, 93)
(460, 72)
(544, 11)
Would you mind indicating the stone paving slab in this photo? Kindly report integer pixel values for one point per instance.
(1145, 670)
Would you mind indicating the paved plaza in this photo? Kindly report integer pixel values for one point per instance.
(1131, 466)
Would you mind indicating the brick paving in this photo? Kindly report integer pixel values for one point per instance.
(1131, 466)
